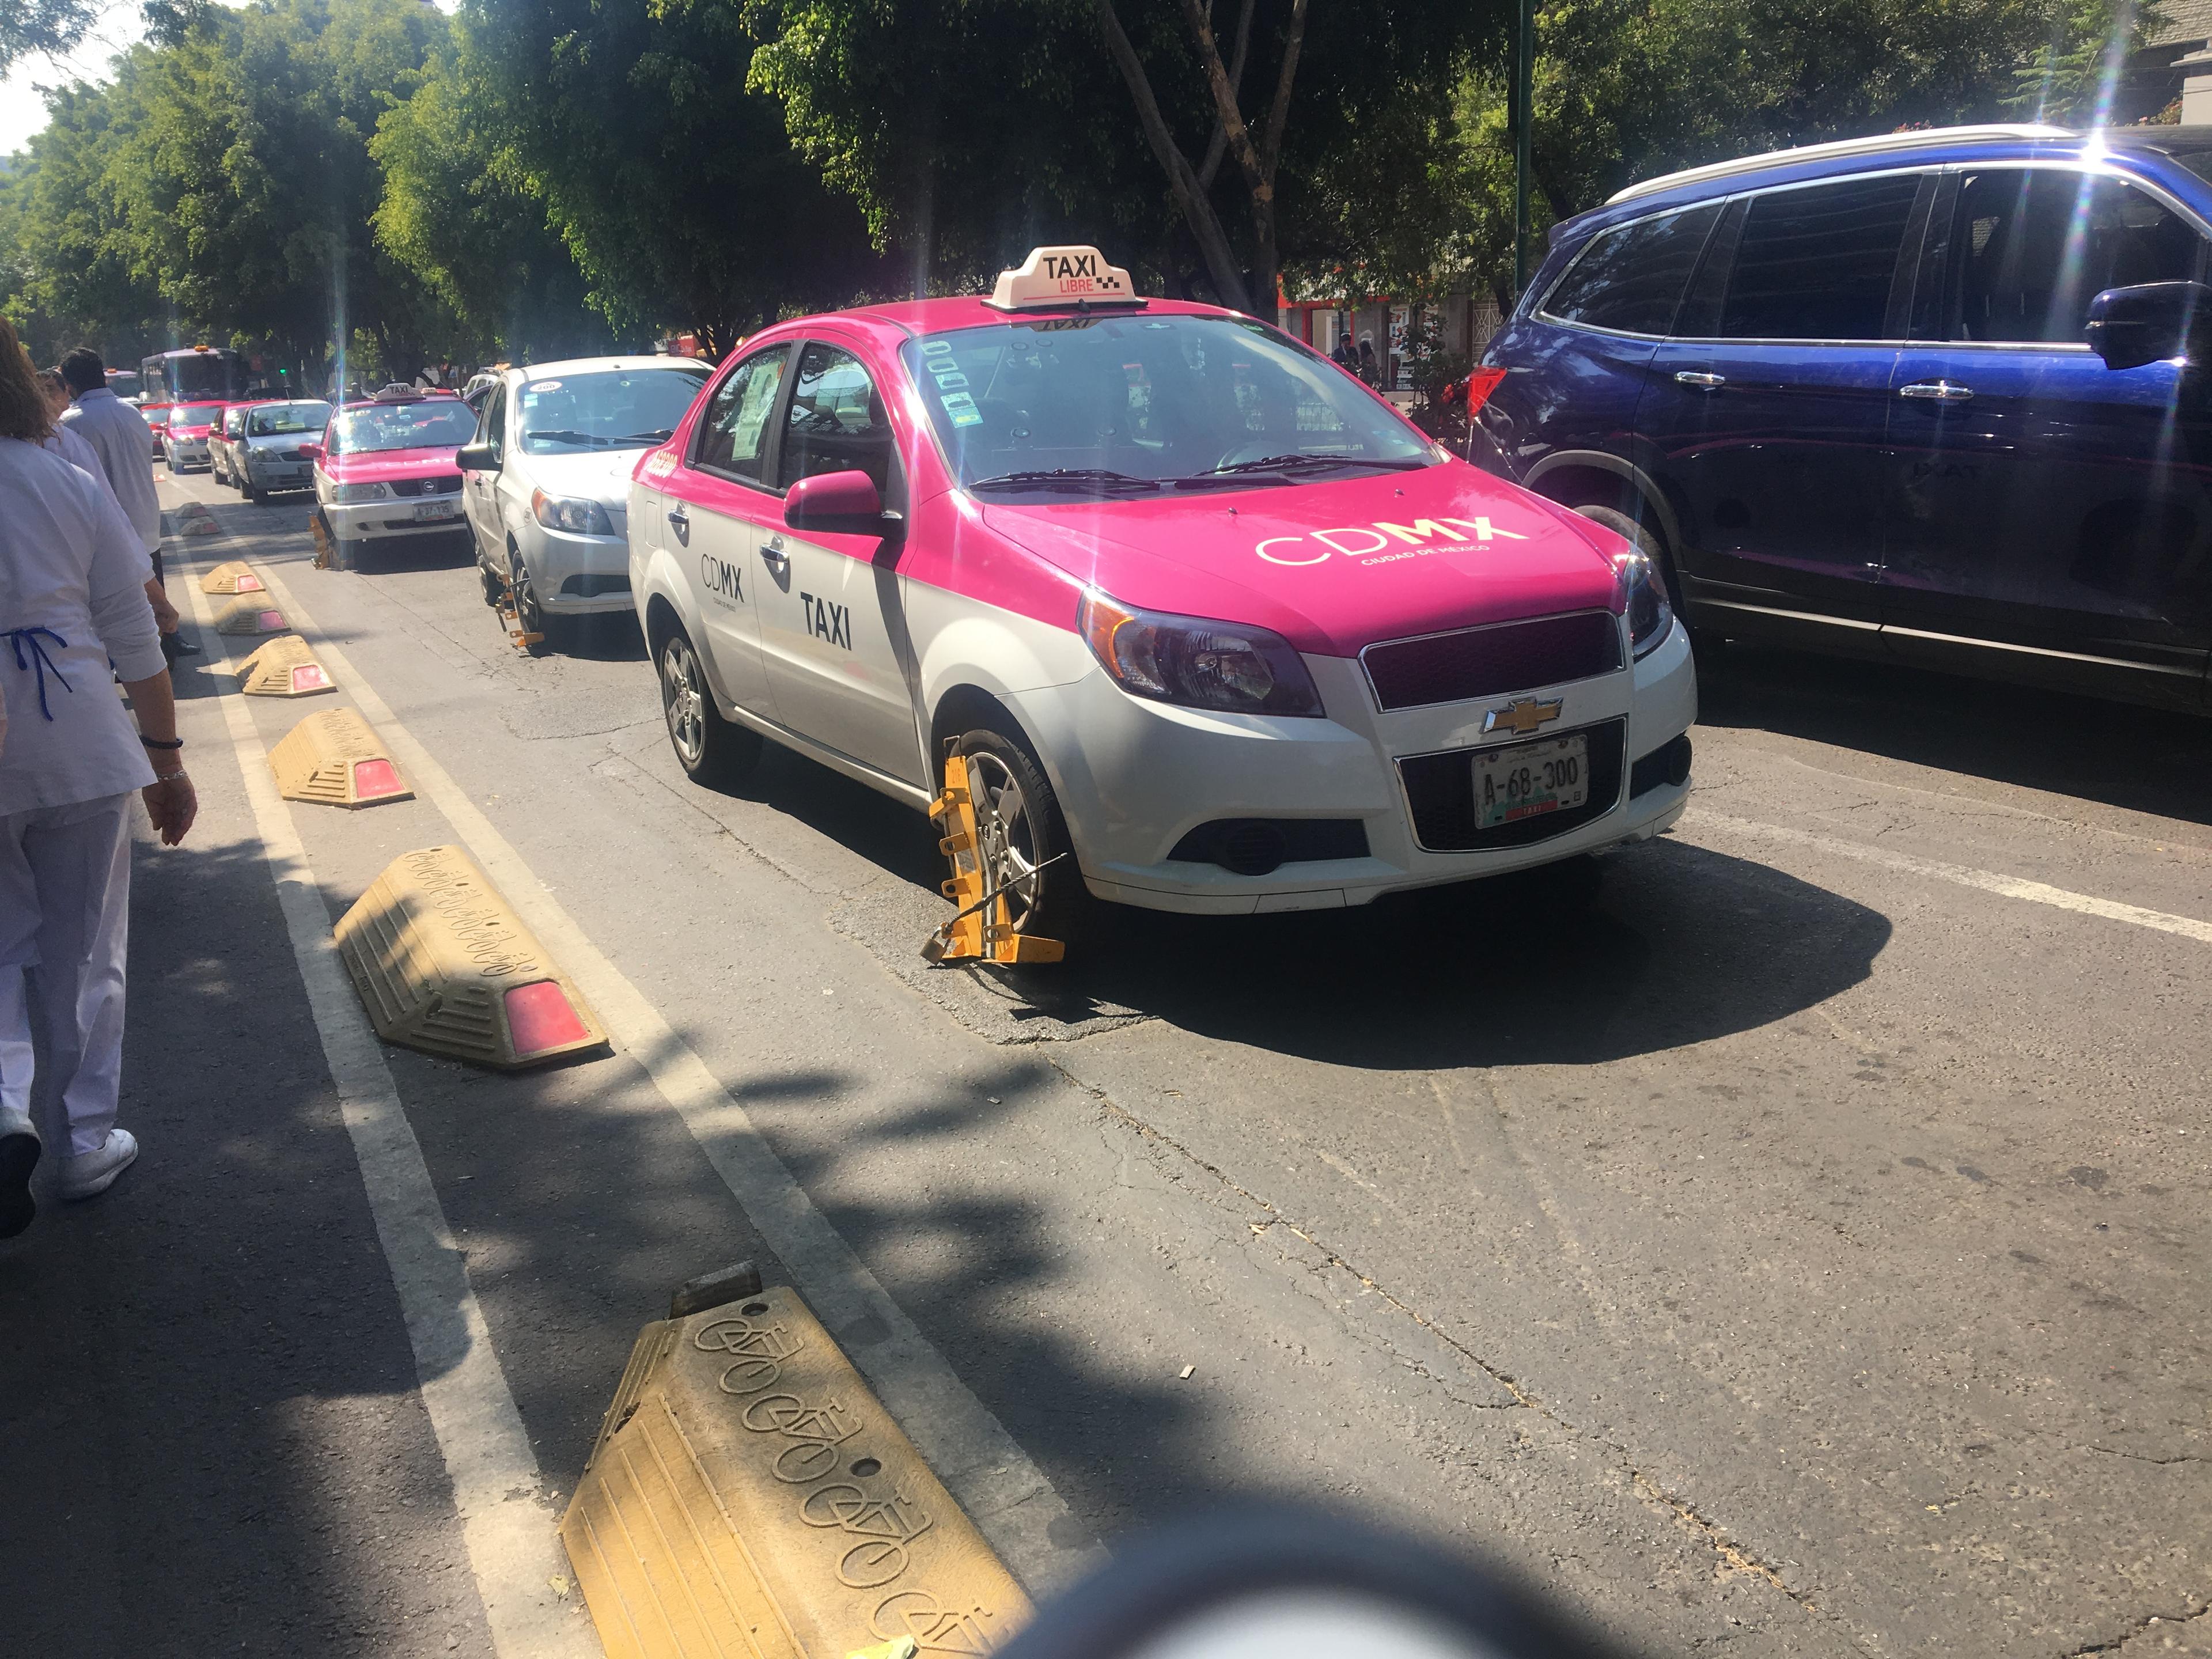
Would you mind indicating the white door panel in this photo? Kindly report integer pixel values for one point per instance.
(832, 634)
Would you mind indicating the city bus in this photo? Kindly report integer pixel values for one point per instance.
(193, 374)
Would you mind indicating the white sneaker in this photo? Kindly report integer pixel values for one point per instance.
(19, 1155)
(87, 1175)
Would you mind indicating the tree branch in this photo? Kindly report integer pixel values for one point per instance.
(1190, 195)
(1225, 97)
(1220, 147)
(1279, 116)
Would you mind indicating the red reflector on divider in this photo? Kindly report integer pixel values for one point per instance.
(272, 619)
(538, 1017)
(248, 585)
(376, 777)
(309, 676)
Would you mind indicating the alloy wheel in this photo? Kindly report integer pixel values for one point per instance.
(684, 700)
(1006, 831)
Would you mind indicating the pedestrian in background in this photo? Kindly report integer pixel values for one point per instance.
(1367, 358)
(73, 577)
(119, 435)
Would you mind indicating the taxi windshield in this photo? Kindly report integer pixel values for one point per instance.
(196, 413)
(1137, 403)
(447, 423)
(606, 408)
(287, 417)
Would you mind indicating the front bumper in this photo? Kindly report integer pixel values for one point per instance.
(393, 517)
(278, 475)
(187, 451)
(1134, 778)
(577, 576)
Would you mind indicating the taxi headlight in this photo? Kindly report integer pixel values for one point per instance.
(1199, 663)
(572, 513)
(348, 495)
(1649, 614)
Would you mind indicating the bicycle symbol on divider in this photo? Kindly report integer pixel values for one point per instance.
(760, 1351)
(886, 1525)
(918, 1613)
(819, 1430)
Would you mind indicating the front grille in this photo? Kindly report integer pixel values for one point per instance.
(1252, 847)
(446, 486)
(590, 587)
(1487, 662)
(426, 524)
(1440, 793)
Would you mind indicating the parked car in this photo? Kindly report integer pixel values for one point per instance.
(1939, 397)
(1218, 630)
(273, 451)
(185, 435)
(547, 479)
(226, 435)
(384, 469)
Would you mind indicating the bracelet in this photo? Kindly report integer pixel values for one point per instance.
(157, 743)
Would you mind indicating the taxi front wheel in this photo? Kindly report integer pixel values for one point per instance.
(712, 751)
(1019, 822)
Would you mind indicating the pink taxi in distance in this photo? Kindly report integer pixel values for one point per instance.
(384, 469)
(1218, 630)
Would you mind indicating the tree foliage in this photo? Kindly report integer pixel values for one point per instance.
(34, 28)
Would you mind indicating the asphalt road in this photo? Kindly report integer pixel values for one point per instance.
(1917, 1359)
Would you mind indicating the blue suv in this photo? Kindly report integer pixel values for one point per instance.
(1939, 397)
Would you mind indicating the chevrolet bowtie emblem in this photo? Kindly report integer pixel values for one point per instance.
(1521, 716)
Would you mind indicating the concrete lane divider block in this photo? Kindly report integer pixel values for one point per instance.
(446, 966)
(284, 668)
(335, 759)
(251, 613)
(749, 1495)
(235, 577)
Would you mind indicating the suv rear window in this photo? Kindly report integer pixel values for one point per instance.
(1817, 262)
(1630, 277)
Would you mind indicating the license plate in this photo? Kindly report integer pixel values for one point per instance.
(427, 511)
(1530, 779)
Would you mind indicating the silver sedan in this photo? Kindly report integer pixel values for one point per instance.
(268, 458)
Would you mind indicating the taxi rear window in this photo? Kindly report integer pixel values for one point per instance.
(1147, 397)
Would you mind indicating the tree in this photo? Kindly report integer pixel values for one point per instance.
(673, 188)
(31, 28)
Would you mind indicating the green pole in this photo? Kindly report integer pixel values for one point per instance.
(1524, 75)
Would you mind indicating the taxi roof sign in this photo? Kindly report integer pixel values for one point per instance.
(235, 577)
(335, 759)
(750, 1495)
(444, 965)
(283, 667)
(1055, 276)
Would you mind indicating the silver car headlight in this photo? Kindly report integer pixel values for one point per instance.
(572, 513)
(349, 495)
(1650, 615)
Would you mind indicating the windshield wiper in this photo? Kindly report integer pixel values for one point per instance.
(661, 436)
(565, 437)
(1069, 477)
(1308, 463)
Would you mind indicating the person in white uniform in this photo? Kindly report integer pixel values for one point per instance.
(73, 571)
(119, 435)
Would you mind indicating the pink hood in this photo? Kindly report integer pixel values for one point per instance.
(383, 466)
(1332, 566)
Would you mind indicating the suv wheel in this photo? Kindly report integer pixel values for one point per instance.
(1019, 830)
(711, 751)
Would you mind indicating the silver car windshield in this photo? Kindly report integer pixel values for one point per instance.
(1144, 402)
(603, 409)
(286, 418)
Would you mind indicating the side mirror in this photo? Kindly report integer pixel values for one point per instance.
(2148, 322)
(477, 458)
(311, 451)
(841, 504)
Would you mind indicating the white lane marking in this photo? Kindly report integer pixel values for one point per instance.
(1004, 1493)
(507, 1524)
(1988, 881)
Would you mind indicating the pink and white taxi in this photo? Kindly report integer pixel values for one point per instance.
(385, 468)
(1219, 630)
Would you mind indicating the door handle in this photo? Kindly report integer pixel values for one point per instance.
(1702, 381)
(772, 553)
(679, 518)
(1938, 392)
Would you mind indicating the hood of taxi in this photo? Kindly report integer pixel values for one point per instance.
(599, 475)
(1332, 566)
(383, 466)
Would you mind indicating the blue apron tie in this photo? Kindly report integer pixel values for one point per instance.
(39, 660)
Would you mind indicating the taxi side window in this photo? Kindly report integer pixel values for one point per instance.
(836, 423)
(733, 438)
(494, 423)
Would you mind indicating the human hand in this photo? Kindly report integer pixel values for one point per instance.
(165, 613)
(173, 803)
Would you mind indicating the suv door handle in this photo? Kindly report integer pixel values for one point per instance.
(1702, 382)
(1939, 392)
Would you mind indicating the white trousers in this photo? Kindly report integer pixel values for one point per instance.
(65, 915)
